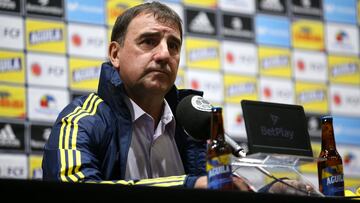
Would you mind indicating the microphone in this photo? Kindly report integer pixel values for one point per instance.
(194, 114)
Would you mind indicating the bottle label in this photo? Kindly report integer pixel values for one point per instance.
(333, 181)
(219, 171)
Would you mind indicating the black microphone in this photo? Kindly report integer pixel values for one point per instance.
(194, 114)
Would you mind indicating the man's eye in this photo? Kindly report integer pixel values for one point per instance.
(149, 41)
(174, 46)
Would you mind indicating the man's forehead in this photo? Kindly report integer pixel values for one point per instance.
(145, 18)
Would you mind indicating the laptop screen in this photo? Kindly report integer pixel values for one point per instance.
(276, 128)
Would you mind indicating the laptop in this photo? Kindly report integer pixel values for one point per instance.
(275, 128)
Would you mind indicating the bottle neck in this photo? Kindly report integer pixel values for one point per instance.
(217, 127)
(327, 136)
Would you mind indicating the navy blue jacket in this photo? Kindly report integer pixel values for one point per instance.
(91, 137)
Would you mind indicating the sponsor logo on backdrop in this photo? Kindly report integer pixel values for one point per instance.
(345, 100)
(12, 136)
(208, 81)
(11, 32)
(46, 103)
(84, 74)
(10, 65)
(307, 8)
(312, 96)
(344, 69)
(86, 11)
(239, 57)
(237, 26)
(340, 11)
(47, 70)
(272, 6)
(240, 6)
(274, 62)
(115, 8)
(37, 70)
(12, 101)
(88, 73)
(39, 135)
(272, 30)
(45, 36)
(342, 39)
(202, 53)
(6, 102)
(54, 8)
(13, 166)
(239, 87)
(350, 154)
(76, 40)
(201, 22)
(87, 40)
(308, 34)
(12, 6)
(310, 66)
(280, 91)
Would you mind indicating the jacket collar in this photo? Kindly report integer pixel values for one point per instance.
(111, 89)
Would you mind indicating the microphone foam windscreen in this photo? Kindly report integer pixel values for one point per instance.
(194, 114)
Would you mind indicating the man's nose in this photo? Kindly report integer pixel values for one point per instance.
(162, 52)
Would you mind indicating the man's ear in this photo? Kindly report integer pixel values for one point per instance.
(113, 53)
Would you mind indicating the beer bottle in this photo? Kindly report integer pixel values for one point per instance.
(330, 168)
(218, 164)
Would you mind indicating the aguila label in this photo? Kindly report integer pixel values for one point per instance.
(219, 171)
(333, 180)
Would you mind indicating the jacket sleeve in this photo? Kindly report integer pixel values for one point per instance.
(70, 155)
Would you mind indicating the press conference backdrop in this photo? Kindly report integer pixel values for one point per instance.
(302, 52)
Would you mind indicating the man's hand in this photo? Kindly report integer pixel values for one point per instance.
(301, 188)
(239, 183)
(201, 182)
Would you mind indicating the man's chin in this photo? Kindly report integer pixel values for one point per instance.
(158, 89)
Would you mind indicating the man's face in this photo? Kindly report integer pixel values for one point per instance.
(149, 57)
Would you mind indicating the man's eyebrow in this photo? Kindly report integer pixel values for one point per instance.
(176, 39)
(158, 34)
(149, 34)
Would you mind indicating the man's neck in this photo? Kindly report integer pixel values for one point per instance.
(154, 106)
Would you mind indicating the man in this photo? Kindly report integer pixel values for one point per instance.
(127, 133)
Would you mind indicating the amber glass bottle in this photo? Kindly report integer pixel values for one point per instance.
(218, 164)
(330, 169)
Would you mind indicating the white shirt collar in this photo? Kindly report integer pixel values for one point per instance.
(137, 112)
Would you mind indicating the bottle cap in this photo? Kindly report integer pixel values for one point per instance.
(326, 118)
(216, 109)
